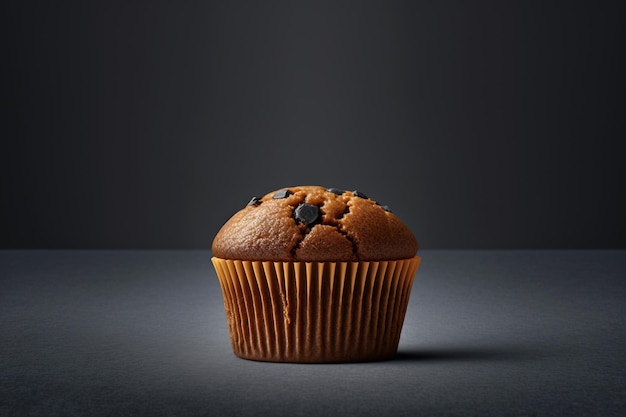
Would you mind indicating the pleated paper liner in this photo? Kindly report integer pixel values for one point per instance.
(315, 311)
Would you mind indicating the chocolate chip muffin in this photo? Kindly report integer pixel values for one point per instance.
(315, 274)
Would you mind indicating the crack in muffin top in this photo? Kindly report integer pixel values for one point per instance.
(314, 224)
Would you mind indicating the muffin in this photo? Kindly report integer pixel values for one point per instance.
(311, 274)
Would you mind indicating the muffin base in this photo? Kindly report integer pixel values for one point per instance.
(315, 312)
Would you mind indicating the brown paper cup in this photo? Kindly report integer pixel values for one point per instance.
(315, 311)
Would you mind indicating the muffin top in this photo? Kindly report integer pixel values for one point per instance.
(312, 223)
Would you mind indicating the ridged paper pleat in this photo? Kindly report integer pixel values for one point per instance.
(315, 311)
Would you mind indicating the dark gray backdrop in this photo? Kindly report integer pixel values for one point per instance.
(146, 125)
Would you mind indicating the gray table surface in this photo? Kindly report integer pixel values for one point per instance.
(520, 333)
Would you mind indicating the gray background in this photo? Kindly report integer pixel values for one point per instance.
(143, 333)
(146, 125)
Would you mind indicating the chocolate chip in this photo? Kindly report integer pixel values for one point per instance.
(335, 191)
(282, 194)
(306, 213)
(255, 201)
(359, 194)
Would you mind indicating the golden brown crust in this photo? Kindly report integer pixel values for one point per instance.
(348, 228)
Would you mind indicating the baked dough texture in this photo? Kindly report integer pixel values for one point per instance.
(314, 224)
